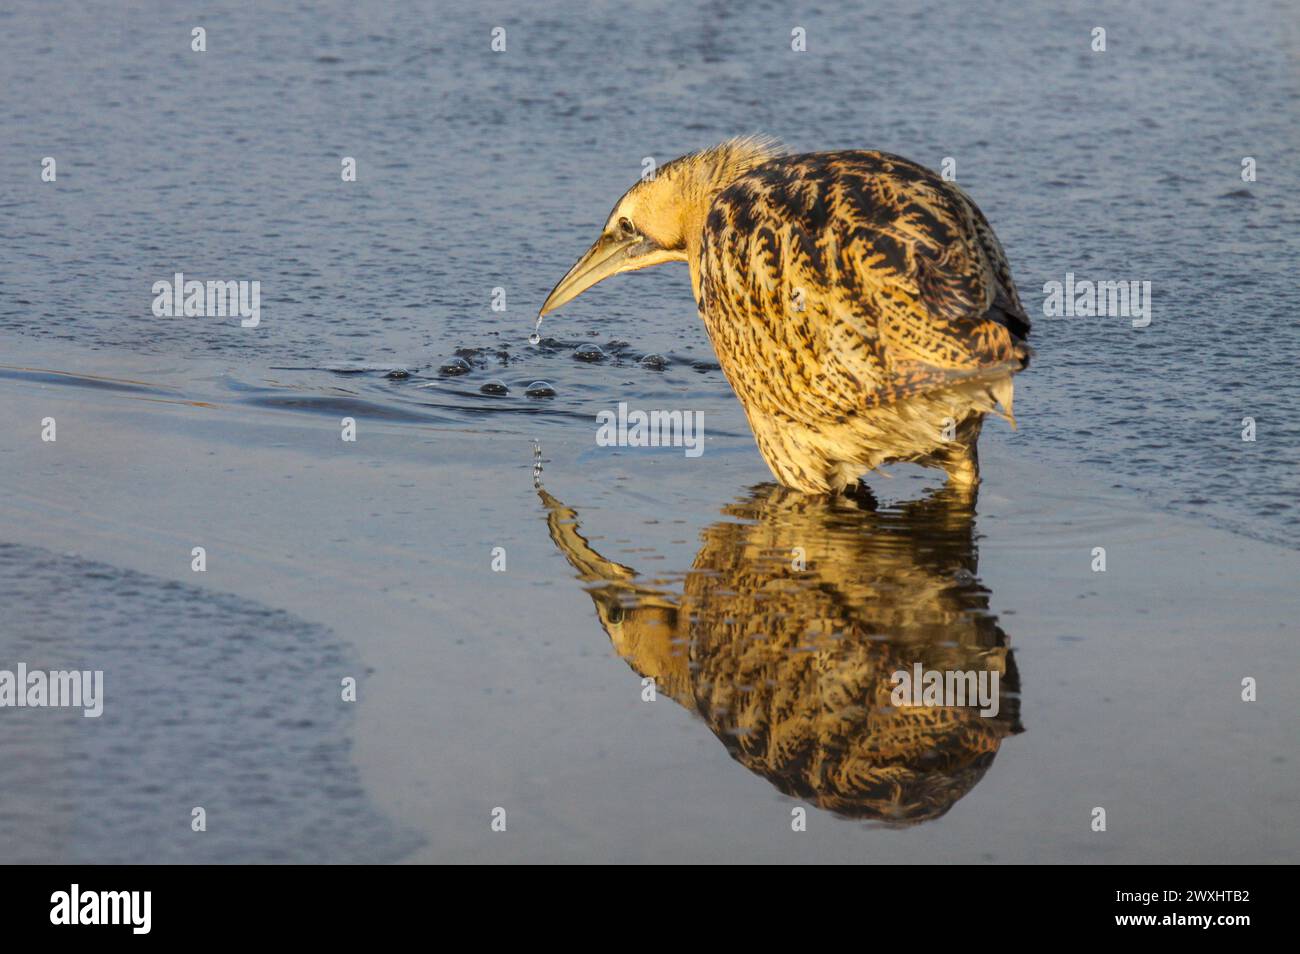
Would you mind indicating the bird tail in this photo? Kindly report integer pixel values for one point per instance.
(1003, 391)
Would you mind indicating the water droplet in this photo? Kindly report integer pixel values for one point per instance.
(494, 387)
(455, 366)
(534, 339)
(655, 362)
(540, 389)
(589, 353)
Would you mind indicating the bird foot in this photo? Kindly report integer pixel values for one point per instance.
(860, 494)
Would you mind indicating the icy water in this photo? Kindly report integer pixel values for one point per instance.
(481, 176)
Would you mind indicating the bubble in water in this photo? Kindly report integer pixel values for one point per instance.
(540, 389)
(397, 374)
(589, 353)
(655, 362)
(494, 386)
(455, 366)
(534, 338)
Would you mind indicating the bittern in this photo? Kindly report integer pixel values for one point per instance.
(860, 306)
(791, 663)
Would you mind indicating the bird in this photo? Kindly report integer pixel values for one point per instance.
(790, 663)
(860, 305)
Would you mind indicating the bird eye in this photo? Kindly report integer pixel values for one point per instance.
(616, 611)
(626, 228)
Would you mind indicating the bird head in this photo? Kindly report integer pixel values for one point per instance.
(659, 218)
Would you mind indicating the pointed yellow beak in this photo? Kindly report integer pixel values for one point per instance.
(608, 256)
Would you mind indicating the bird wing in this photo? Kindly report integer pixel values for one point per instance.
(864, 276)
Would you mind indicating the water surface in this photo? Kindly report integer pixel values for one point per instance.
(480, 171)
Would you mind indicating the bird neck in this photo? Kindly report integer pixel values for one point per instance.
(705, 175)
(693, 230)
(697, 201)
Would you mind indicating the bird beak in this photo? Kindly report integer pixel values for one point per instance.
(608, 256)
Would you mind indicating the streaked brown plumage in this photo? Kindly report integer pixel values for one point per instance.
(860, 306)
(791, 667)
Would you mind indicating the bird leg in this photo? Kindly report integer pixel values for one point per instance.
(964, 471)
(960, 457)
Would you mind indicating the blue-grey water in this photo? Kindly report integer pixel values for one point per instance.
(480, 171)
(271, 772)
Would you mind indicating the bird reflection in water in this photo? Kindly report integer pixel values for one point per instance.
(789, 628)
